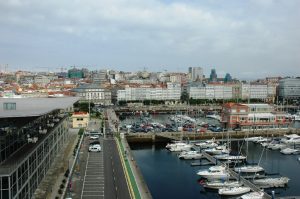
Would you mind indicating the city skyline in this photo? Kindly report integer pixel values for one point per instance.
(249, 40)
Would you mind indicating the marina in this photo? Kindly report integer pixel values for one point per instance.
(255, 152)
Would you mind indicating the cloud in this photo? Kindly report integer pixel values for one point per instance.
(232, 36)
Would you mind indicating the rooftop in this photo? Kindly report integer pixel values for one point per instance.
(28, 107)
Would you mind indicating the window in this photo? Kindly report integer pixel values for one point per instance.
(9, 106)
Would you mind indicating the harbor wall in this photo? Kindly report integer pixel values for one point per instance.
(167, 136)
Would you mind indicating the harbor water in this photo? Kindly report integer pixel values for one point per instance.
(169, 177)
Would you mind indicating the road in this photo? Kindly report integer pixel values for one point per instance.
(114, 169)
(101, 173)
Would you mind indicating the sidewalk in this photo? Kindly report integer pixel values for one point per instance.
(142, 187)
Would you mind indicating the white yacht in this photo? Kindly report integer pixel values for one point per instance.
(288, 151)
(190, 155)
(217, 168)
(262, 139)
(181, 147)
(169, 145)
(217, 150)
(221, 184)
(253, 139)
(213, 173)
(249, 169)
(290, 139)
(277, 146)
(230, 157)
(232, 191)
(253, 195)
(207, 144)
(271, 182)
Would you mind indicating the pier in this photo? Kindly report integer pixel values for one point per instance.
(209, 157)
(246, 182)
(235, 175)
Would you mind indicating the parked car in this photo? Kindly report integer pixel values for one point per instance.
(94, 137)
(202, 130)
(237, 128)
(95, 148)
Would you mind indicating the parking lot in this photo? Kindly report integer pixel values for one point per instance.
(93, 179)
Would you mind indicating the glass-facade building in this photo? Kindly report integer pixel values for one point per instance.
(289, 88)
(28, 152)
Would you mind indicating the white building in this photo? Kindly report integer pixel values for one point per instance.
(211, 91)
(93, 93)
(172, 91)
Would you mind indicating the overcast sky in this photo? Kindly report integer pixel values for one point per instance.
(247, 38)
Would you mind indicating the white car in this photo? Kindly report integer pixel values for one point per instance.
(94, 137)
(95, 148)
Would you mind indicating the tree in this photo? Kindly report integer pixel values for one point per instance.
(184, 97)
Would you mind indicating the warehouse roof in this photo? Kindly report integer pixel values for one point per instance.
(28, 107)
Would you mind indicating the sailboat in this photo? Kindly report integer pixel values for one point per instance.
(271, 182)
(221, 184)
(249, 169)
(232, 191)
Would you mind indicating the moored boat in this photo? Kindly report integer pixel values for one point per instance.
(271, 182)
(217, 150)
(181, 147)
(288, 151)
(249, 169)
(231, 157)
(232, 191)
(190, 155)
(253, 139)
(221, 184)
(169, 145)
(214, 172)
(207, 144)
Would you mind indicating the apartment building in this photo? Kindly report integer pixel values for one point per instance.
(169, 91)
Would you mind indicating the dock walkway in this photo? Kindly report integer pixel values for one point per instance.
(235, 175)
